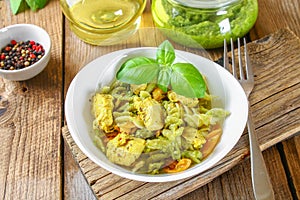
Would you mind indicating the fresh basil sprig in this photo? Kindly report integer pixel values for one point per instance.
(20, 5)
(36, 4)
(182, 78)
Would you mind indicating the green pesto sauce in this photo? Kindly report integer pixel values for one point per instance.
(207, 28)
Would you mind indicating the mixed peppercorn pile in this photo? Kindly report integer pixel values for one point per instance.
(18, 55)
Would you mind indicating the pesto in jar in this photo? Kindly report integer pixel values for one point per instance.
(204, 27)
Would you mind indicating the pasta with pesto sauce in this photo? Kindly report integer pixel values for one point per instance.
(150, 131)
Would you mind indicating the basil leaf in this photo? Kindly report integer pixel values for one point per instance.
(186, 80)
(138, 70)
(15, 5)
(163, 79)
(36, 4)
(21, 5)
(165, 54)
(32, 4)
(41, 3)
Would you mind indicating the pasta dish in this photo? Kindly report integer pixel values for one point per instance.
(149, 131)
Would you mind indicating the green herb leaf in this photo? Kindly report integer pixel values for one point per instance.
(15, 5)
(21, 5)
(33, 4)
(42, 3)
(186, 80)
(163, 79)
(138, 70)
(165, 54)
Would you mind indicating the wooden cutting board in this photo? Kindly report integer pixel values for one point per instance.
(275, 103)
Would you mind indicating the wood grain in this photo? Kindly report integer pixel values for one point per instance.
(30, 119)
(293, 161)
(274, 15)
(269, 112)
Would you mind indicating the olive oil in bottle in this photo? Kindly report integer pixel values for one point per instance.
(103, 22)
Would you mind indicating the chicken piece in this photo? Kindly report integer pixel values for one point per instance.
(124, 149)
(194, 137)
(152, 113)
(123, 118)
(102, 108)
(125, 124)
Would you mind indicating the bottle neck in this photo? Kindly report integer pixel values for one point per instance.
(205, 3)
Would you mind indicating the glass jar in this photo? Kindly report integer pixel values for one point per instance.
(204, 23)
(103, 23)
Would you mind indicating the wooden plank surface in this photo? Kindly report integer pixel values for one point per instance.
(274, 120)
(275, 14)
(30, 118)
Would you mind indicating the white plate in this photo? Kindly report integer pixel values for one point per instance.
(220, 83)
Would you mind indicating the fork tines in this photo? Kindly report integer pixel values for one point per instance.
(238, 74)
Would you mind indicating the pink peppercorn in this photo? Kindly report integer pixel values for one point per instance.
(32, 55)
(32, 42)
(13, 42)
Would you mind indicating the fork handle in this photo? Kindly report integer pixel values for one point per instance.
(261, 183)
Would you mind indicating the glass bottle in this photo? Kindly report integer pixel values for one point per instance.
(100, 22)
(204, 23)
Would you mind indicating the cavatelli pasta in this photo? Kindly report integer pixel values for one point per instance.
(190, 102)
(194, 118)
(174, 114)
(122, 117)
(151, 129)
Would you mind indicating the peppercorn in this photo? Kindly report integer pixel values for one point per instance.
(18, 55)
(13, 42)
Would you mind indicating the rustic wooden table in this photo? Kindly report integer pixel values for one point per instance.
(36, 163)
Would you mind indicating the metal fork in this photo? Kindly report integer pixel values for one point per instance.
(261, 184)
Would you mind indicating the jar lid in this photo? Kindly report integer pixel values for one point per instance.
(205, 3)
